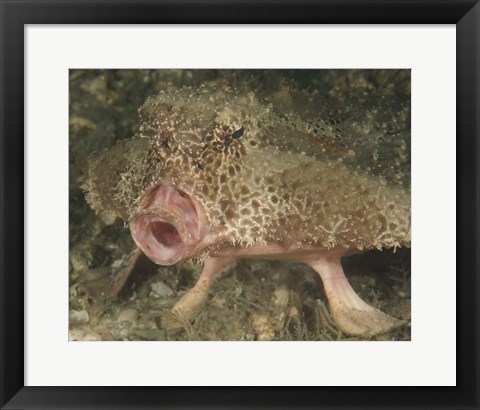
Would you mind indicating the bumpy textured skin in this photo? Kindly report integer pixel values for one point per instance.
(278, 165)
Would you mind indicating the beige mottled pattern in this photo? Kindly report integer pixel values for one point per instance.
(329, 170)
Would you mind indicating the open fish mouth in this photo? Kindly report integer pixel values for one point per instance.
(165, 233)
(169, 225)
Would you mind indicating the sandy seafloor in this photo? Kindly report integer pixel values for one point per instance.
(255, 300)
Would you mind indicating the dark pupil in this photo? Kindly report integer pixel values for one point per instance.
(238, 133)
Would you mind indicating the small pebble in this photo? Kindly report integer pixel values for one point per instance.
(160, 290)
(108, 218)
(281, 297)
(129, 314)
(116, 264)
(81, 257)
(263, 326)
(78, 316)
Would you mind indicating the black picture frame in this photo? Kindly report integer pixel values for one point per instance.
(16, 14)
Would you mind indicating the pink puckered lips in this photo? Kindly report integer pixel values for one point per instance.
(169, 225)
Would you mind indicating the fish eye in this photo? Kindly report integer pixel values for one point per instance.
(238, 133)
